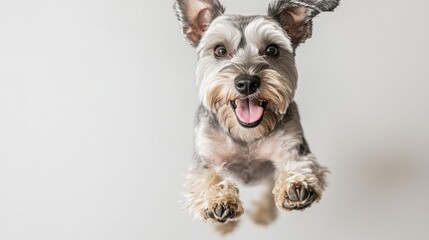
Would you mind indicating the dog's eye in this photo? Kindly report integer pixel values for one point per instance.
(272, 51)
(220, 51)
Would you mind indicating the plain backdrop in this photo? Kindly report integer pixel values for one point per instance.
(97, 101)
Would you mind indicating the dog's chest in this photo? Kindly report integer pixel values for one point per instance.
(249, 162)
(219, 148)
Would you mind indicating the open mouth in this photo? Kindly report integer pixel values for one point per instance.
(249, 112)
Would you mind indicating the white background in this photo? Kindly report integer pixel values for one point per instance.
(97, 100)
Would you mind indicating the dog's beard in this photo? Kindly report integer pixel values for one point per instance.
(229, 121)
(248, 118)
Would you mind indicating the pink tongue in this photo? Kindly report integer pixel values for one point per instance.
(248, 111)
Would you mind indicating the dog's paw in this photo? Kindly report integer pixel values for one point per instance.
(223, 211)
(295, 195)
(298, 196)
(222, 203)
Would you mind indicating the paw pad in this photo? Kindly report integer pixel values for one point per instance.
(299, 197)
(221, 212)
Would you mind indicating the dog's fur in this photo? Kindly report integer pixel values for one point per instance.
(271, 150)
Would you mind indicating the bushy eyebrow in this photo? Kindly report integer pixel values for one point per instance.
(262, 32)
(223, 32)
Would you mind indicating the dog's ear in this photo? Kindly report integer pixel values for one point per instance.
(295, 16)
(195, 16)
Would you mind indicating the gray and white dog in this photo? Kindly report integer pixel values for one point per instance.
(248, 127)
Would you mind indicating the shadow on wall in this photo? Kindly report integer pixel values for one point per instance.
(386, 176)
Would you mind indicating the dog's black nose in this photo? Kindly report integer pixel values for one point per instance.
(247, 84)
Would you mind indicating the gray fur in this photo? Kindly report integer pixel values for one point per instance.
(247, 164)
(280, 10)
(275, 146)
(314, 6)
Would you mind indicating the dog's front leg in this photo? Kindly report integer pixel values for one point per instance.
(300, 179)
(210, 196)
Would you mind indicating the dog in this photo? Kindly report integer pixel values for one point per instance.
(247, 126)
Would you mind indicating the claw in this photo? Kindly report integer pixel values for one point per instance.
(226, 214)
(299, 197)
(293, 195)
(303, 194)
(219, 210)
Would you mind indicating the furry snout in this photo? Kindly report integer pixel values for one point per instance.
(247, 84)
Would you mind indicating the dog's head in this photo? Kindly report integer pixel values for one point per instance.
(246, 70)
